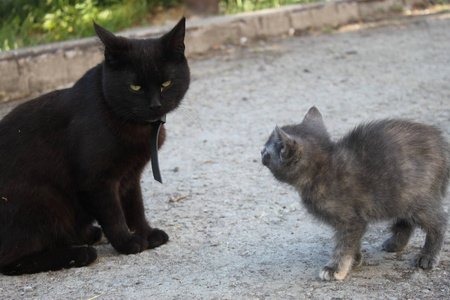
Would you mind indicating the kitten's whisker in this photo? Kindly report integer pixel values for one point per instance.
(260, 168)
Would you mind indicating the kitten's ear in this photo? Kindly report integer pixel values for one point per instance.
(174, 40)
(313, 116)
(114, 46)
(289, 144)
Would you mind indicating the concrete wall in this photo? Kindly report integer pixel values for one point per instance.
(29, 71)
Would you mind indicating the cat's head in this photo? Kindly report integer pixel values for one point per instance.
(143, 80)
(292, 150)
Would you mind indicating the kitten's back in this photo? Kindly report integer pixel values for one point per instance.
(407, 158)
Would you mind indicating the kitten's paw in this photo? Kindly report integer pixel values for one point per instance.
(424, 261)
(327, 273)
(133, 245)
(156, 238)
(393, 244)
(85, 256)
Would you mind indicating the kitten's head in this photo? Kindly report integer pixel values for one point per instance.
(292, 150)
(144, 79)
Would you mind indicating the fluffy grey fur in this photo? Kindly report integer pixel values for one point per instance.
(386, 169)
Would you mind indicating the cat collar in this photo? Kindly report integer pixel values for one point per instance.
(154, 148)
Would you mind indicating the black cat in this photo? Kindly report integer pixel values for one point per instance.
(387, 169)
(75, 156)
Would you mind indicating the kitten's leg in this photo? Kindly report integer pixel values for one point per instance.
(132, 203)
(434, 225)
(51, 260)
(346, 253)
(401, 232)
(357, 259)
(106, 208)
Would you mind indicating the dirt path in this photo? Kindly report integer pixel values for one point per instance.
(240, 235)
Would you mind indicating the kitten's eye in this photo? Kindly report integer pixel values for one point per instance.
(165, 84)
(135, 88)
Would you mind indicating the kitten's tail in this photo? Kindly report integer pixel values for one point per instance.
(51, 260)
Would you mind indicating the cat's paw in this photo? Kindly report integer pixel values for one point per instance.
(156, 238)
(425, 261)
(85, 256)
(337, 270)
(94, 235)
(133, 245)
(332, 273)
(393, 244)
(327, 273)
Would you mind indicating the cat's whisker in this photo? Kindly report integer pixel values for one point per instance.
(191, 114)
(127, 116)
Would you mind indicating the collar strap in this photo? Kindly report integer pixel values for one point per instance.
(154, 148)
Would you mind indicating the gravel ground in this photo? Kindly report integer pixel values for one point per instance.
(235, 232)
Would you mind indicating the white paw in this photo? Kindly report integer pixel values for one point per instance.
(326, 275)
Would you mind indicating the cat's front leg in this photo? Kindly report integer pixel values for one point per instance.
(132, 203)
(105, 206)
(346, 254)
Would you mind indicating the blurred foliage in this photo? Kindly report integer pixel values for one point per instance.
(238, 6)
(31, 22)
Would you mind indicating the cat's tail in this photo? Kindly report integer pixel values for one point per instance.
(51, 260)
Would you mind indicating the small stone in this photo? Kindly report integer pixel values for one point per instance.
(291, 31)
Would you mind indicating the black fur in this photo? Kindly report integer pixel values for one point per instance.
(387, 169)
(75, 156)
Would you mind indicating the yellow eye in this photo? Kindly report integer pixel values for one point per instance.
(166, 84)
(135, 88)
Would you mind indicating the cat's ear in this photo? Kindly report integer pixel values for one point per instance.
(114, 46)
(289, 145)
(313, 116)
(174, 39)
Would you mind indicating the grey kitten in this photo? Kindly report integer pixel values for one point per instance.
(387, 169)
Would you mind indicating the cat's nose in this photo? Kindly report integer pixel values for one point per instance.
(155, 104)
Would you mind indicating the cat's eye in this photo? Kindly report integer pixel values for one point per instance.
(165, 84)
(135, 88)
